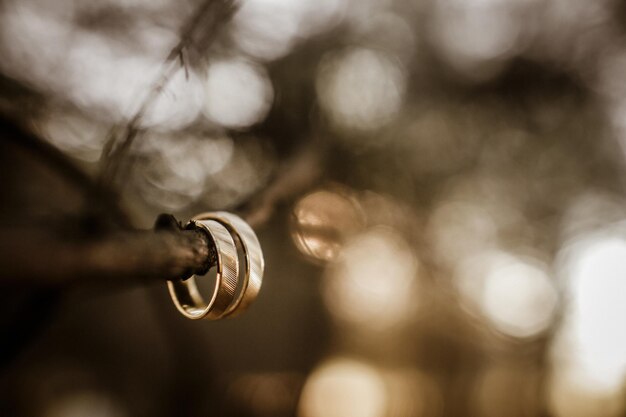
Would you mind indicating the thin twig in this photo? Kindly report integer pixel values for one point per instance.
(200, 31)
(294, 177)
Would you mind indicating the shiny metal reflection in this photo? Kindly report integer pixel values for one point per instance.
(253, 259)
(185, 294)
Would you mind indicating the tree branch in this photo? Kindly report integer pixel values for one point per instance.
(36, 257)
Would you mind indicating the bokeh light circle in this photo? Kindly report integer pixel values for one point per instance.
(372, 284)
(360, 89)
(238, 93)
(515, 294)
(322, 221)
(344, 387)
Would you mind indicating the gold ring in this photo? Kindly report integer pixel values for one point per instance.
(253, 258)
(185, 294)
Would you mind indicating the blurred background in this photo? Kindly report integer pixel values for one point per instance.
(438, 187)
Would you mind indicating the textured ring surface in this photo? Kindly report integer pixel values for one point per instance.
(185, 294)
(253, 259)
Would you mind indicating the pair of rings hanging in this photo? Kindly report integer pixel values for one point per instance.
(236, 286)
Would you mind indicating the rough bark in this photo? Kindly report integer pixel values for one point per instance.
(30, 256)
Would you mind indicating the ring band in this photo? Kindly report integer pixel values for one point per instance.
(253, 259)
(185, 294)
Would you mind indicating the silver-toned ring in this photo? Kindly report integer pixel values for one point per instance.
(253, 259)
(185, 294)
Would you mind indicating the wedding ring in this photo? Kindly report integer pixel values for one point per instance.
(185, 294)
(252, 256)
